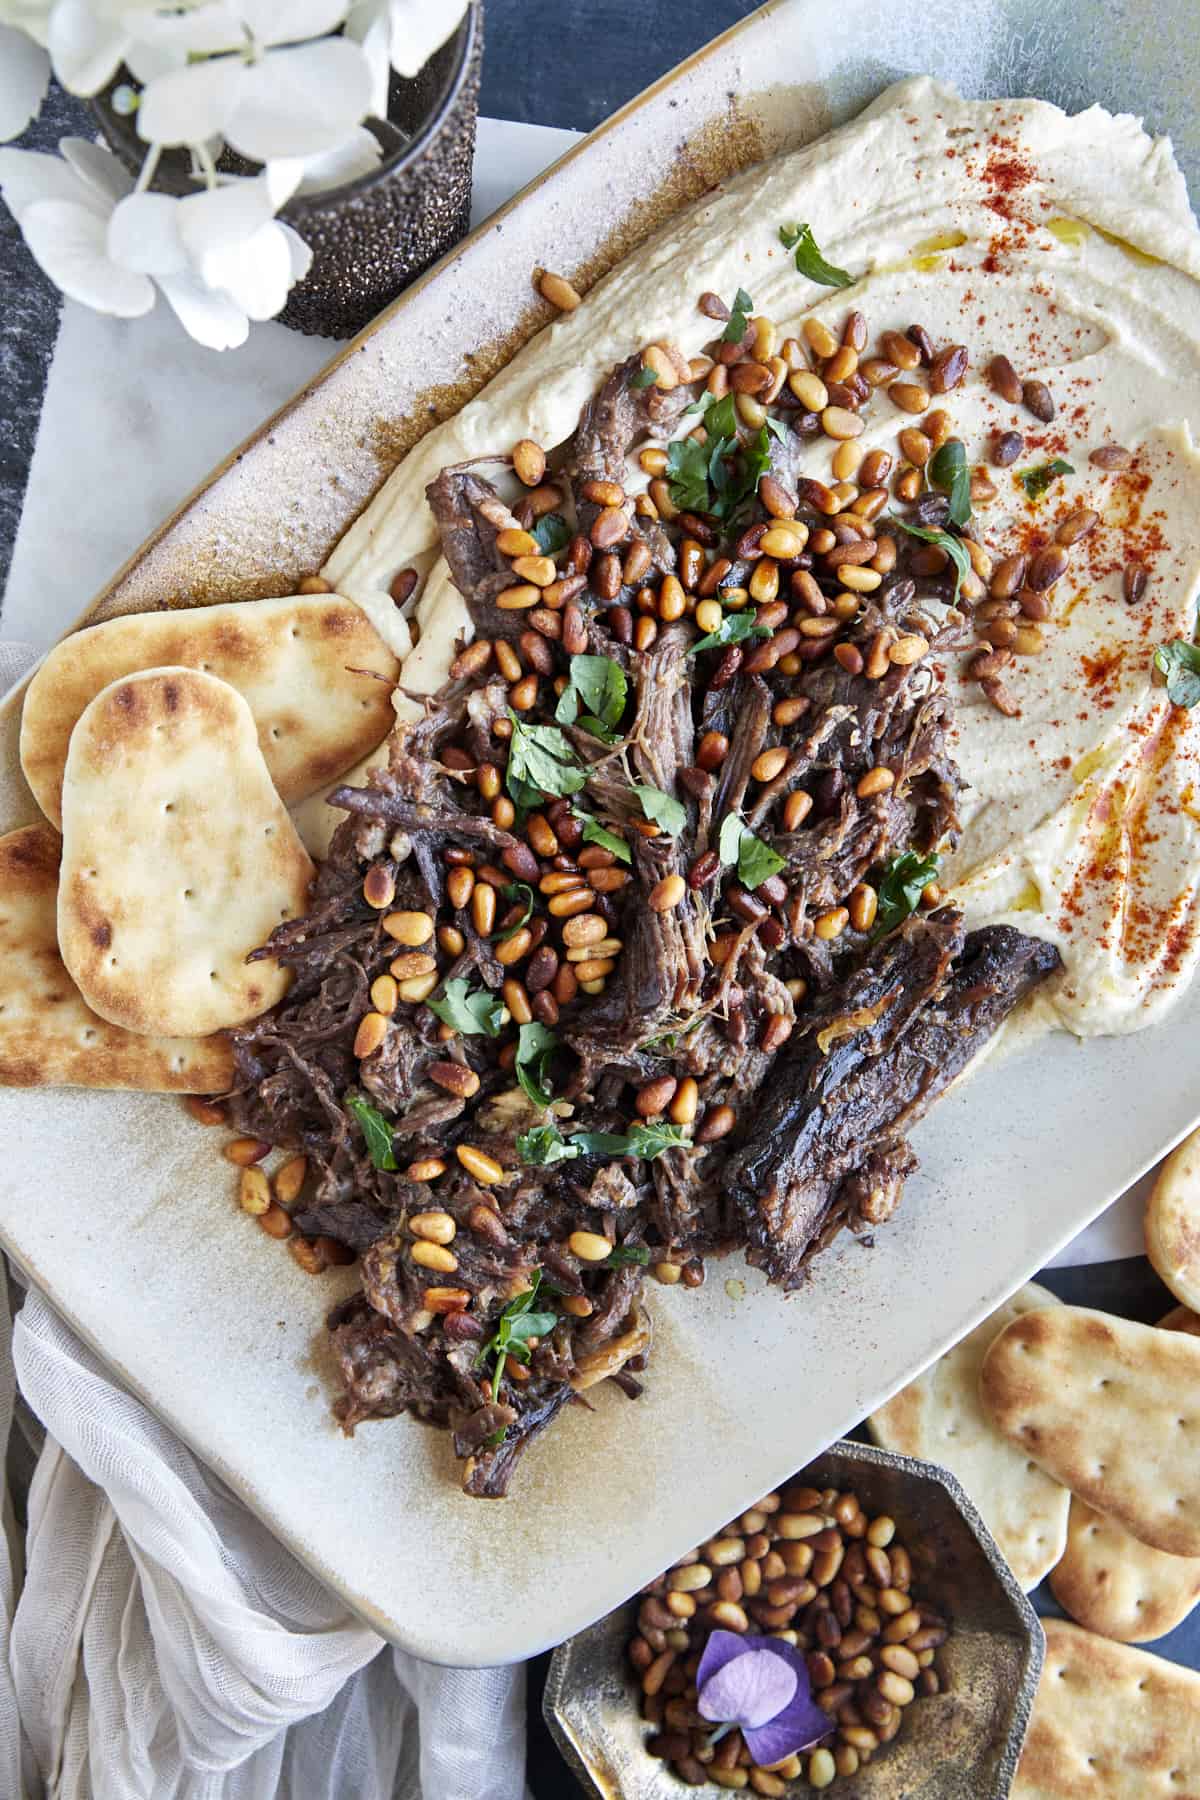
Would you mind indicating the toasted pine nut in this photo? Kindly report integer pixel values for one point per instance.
(290, 1179)
(413, 928)
(243, 1151)
(425, 1169)
(254, 1191)
(205, 1112)
(589, 1246)
(478, 1163)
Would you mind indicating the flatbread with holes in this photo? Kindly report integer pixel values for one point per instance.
(313, 670)
(1172, 1221)
(1109, 1723)
(1111, 1409)
(939, 1417)
(48, 1036)
(179, 858)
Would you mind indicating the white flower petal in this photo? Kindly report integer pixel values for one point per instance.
(283, 176)
(256, 275)
(200, 30)
(214, 320)
(28, 176)
(298, 250)
(292, 21)
(68, 242)
(225, 217)
(299, 102)
(30, 16)
(106, 178)
(368, 25)
(355, 156)
(419, 28)
(189, 105)
(143, 234)
(24, 78)
(86, 49)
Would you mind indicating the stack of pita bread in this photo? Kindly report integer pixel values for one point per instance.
(165, 751)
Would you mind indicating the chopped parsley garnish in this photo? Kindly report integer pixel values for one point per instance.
(687, 473)
(477, 1013)
(949, 473)
(545, 1145)
(809, 260)
(1179, 661)
(376, 1131)
(954, 547)
(595, 833)
(900, 890)
(734, 628)
(515, 1326)
(720, 476)
(514, 891)
(535, 1046)
(739, 318)
(738, 847)
(541, 758)
(552, 533)
(643, 379)
(600, 685)
(1036, 480)
(661, 809)
(624, 1254)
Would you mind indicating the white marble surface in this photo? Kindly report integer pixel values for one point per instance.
(135, 415)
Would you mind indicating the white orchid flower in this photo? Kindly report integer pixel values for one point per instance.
(90, 39)
(400, 35)
(24, 78)
(270, 94)
(357, 155)
(220, 258)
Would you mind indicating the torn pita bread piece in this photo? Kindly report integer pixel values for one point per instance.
(939, 1417)
(1109, 1723)
(48, 1036)
(1172, 1221)
(313, 670)
(179, 858)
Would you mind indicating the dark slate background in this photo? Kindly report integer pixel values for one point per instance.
(548, 62)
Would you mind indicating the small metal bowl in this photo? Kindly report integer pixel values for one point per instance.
(961, 1744)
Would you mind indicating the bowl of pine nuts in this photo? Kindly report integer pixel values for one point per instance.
(919, 1644)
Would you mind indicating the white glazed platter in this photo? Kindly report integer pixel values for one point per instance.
(118, 1205)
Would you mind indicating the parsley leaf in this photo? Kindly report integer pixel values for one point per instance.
(1036, 480)
(687, 474)
(594, 833)
(735, 331)
(375, 1129)
(954, 547)
(474, 1014)
(552, 533)
(540, 757)
(643, 379)
(601, 685)
(535, 1046)
(625, 1254)
(545, 1145)
(647, 1141)
(515, 1326)
(948, 472)
(662, 809)
(809, 260)
(513, 891)
(721, 419)
(734, 628)
(904, 881)
(755, 860)
(1179, 661)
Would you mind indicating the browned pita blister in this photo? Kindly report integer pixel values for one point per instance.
(179, 858)
(313, 670)
(49, 1037)
(1111, 1409)
(1109, 1723)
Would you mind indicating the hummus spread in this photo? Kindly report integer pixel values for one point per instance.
(1067, 245)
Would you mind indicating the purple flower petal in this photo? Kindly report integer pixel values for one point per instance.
(797, 1726)
(722, 1647)
(749, 1689)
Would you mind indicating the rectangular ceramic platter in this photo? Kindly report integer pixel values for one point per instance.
(118, 1206)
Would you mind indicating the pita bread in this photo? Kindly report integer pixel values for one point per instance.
(48, 1036)
(1109, 1723)
(316, 821)
(178, 857)
(314, 672)
(1172, 1221)
(939, 1417)
(1111, 1409)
